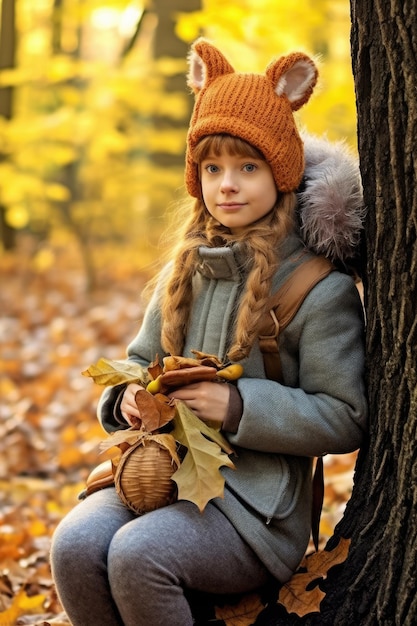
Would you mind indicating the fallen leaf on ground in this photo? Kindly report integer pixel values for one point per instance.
(302, 594)
(242, 614)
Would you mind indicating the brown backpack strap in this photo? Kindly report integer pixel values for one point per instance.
(317, 503)
(282, 307)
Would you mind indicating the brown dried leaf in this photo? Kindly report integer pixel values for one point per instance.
(242, 614)
(179, 362)
(299, 595)
(207, 359)
(296, 598)
(6, 587)
(319, 563)
(155, 410)
(155, 369)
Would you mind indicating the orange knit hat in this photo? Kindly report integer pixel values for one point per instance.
(257, 108)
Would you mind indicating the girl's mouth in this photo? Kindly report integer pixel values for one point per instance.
(230, 206)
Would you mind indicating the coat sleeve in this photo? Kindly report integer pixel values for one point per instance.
(325, 411)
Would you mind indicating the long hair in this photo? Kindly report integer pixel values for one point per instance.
(260, 240)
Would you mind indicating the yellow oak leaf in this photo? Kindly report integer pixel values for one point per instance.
(198, 478)
(109, 372)
(189, 420)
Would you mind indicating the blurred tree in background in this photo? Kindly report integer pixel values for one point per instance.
(94, 111)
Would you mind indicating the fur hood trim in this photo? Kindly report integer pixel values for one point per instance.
(330, 200)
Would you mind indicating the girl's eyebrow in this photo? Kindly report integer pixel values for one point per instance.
(243, 157)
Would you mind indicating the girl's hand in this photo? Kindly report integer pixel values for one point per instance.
(128, 406)
(208, 400)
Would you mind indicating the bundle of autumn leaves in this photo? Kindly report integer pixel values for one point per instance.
(169, 452)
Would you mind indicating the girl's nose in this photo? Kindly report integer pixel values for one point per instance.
(228, 182)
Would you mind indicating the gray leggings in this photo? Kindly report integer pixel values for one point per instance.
(112, 568)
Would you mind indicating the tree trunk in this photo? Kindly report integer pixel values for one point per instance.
(7, 61)
(383, 584)
(377, 585)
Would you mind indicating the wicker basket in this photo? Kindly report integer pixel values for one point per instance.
(143, 477)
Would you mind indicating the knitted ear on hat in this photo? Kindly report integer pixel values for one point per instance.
(205, 64)
(255, 107)
(294, 76)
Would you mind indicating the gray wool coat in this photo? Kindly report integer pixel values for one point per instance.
(321, 407)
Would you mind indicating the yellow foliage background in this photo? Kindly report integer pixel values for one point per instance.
(79, 156)
(251, 32)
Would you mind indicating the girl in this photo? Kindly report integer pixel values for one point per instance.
(245, 159)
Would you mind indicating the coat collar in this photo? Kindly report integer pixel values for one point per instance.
(231, 263)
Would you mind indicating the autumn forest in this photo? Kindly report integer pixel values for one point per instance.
(93, 116)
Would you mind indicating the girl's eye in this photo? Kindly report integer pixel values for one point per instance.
(249, 167)
(211, 169)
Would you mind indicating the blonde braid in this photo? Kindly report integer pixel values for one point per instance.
(176, 304)
(262, 242)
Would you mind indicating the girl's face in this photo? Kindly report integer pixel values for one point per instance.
(237, 190)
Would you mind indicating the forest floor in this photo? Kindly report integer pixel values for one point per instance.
(51, 329)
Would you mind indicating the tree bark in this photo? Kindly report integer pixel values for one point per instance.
(377, 585)
(382, 590)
